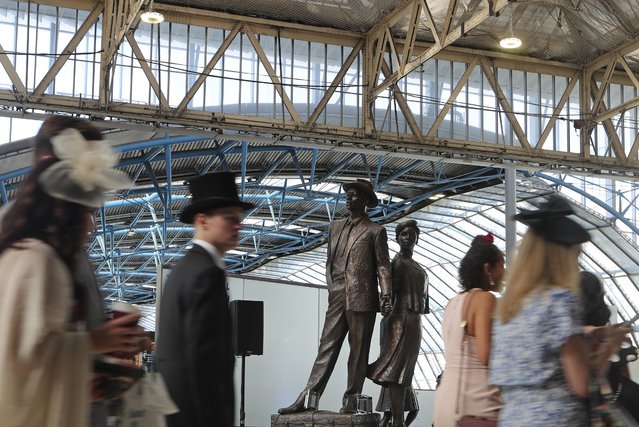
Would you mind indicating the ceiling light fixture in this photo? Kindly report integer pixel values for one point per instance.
(511, 42)
(151, 16)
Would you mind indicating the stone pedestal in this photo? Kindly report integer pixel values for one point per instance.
(324, 419)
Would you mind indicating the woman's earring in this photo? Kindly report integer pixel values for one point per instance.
(492, 282)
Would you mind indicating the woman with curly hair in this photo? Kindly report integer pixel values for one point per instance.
(45, 354)
(464, 391)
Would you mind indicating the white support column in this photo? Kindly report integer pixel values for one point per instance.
(510, 197)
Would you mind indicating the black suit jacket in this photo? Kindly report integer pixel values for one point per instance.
(195, 354)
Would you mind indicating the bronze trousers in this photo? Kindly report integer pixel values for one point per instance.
(340, 322)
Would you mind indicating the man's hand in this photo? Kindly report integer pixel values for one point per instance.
(385, 305)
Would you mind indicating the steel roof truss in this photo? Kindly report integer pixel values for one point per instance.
(118, 17)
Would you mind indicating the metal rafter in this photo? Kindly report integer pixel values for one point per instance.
(67, 52)
(558, 108)
(118, 18)
(339, 77)
(358, 139)
(403, 105)
(505, 105)
(148, 72)
(208, 68)
(271, 73)
(614, 140)
(453, 96)
(446, 39)
(21, 90)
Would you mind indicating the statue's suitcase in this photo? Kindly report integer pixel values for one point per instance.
(325, 419)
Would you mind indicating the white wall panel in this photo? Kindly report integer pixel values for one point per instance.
(293, 318)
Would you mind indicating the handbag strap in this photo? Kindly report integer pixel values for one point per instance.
(464, 326)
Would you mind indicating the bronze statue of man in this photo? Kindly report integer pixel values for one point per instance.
(357, 263)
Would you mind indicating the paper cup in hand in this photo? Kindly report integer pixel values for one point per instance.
(119, 309)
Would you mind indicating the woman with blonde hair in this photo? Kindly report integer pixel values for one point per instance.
(541, 359)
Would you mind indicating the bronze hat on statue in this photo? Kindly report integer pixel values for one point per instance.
(210, 191)
(366, 188)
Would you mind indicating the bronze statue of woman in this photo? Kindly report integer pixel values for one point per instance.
(403, 329)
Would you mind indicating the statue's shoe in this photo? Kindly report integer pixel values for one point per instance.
(295, 407)
(350, 405)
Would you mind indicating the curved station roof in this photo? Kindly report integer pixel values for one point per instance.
(299, 96)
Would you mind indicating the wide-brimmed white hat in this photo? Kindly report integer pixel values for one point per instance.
(85, 171)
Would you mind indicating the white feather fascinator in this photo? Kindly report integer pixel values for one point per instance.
(85, 170)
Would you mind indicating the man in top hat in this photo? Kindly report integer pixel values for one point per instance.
(357, 263)
(195, 354)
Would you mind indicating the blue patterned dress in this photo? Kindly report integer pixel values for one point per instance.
(525, 362)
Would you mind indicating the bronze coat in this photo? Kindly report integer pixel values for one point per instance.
(367, 264)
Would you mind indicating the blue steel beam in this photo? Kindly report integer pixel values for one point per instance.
(313, 167)
(296, 162)
(339, 167)
(243, 168)
(367, 168)
(272, 167)
(378, 171)
(3, 193)
(609, 209)
(154, 181)
(400, 173)
(117, 258)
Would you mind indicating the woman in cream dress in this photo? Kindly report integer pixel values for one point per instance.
(44, 353)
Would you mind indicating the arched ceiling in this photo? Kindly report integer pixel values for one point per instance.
(291, 164)
(570, 31)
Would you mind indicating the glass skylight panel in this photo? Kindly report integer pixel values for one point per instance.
(458, 236)
(421, 260)
(433, 336)
(420, 381)
(434, 363)
(301, 276)
(599, 252)
(628, 288)
(620, 301)
(613, 256)
(472, 229)
(435, 251)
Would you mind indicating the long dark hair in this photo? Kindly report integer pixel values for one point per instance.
(34, 214)
(596, 311)
(471, 268)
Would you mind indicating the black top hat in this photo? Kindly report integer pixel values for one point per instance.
(551, 222)
(210, 191)
(365, 187)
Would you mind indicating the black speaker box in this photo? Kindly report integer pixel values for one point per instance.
(248, 327)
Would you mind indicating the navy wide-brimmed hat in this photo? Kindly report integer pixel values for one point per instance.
(365, 187)
(210, 191)
(551, 222)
